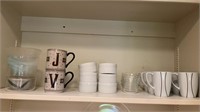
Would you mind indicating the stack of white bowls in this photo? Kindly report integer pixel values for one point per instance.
(107, 78)
(88, 77)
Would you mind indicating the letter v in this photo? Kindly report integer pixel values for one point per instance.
(53, 81)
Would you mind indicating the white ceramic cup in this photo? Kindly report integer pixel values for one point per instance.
(88, 67)
(88, 87)
(108, 68)
(175, 91)
(54, 80)
(107, 87)
(107, 78)
(57, 59)
(188, 84)
(144, 81)
(161, 83)
(88, 77)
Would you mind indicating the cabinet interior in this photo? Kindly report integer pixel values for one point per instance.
(158, 36)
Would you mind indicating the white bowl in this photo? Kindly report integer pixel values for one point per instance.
(88, 67)
(107, 78)
(108, 68)
(88, 87)
(88, 77)
(107, 87)
(88, 64)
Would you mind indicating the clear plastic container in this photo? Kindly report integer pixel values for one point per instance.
(22, 64)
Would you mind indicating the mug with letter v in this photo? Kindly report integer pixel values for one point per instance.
(54, 80)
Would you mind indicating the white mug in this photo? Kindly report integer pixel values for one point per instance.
(188, 84)
(161, 83)
(54, 80)
(144, 81)
(57, 58)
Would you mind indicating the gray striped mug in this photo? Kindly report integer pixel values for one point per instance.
(188, 84)
(161, 82)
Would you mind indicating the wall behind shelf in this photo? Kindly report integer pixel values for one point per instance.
(149, 47)
(132, 54)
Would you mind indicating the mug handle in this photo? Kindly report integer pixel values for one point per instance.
(148, 83)
(142, 78)
(173, 82)
(73, 57)
(72, 76)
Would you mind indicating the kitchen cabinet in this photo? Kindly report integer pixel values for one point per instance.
(137, 35)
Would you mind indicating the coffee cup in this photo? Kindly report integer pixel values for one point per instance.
(161, 83)
(57, 59)
(144, 81)
(187, 84)
(54, 80)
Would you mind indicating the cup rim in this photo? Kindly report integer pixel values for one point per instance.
(56, 49)
(87, 64)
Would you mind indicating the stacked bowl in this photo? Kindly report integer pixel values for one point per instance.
(107, 78)
(88, 77)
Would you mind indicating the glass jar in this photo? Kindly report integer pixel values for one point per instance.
(22, 64)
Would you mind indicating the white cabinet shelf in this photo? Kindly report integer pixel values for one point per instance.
(115, 28)
(75, 96)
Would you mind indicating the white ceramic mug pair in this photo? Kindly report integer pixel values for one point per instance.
(161, 83)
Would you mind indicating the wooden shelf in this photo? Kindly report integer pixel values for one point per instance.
(75, 96)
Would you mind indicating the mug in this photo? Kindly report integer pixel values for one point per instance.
(54, 80)
(188, 84)
(161, 83)
(144, 81)
(57, 58)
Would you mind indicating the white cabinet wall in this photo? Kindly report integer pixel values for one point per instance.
(149, 44)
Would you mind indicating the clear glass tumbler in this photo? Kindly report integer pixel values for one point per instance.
(130, 82)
